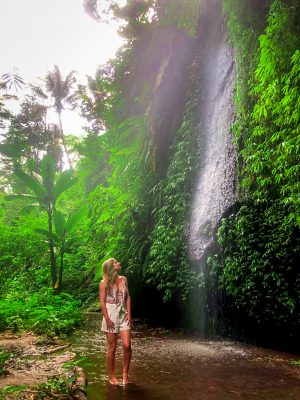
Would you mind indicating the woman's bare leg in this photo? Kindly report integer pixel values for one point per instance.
(127, 352)
(111, 357)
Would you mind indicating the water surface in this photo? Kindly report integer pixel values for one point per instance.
(172, 366)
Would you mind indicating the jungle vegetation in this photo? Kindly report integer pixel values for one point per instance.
(126, 191)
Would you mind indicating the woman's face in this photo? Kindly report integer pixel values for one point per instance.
(117, 265)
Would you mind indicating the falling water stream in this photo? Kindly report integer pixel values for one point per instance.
(215, 182)
(170, 365)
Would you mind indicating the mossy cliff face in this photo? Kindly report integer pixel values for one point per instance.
(259, 243)
(155, 84)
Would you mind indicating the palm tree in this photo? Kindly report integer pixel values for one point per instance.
(46, 188)
(11, 80)
(60, 89)
(8, 81)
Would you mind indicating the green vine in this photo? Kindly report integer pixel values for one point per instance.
(258, 269)
(259, 245)
(184, 14)
(168, 266)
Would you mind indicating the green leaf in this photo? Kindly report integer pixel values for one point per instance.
(75, 240)
(32, 183)
(7, 389)
(29, 207)
(47, 234)
(37, 177)
(64, 182)
(60, 223)
(75, 219)
(10, 197)
(10, 150)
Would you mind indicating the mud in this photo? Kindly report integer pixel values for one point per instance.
(35, 359)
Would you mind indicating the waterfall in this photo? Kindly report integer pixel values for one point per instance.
(214, 190)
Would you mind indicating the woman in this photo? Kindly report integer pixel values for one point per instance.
(116, 309)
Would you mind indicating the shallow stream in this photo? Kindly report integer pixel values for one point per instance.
(170, 365)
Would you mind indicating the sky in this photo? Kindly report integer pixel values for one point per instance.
(35, 35)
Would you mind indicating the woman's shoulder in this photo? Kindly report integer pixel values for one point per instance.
(123, 278)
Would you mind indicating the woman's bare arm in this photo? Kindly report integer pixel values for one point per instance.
(103, 293)
(128, 303)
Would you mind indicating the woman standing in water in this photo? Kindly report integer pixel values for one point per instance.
(116, 309)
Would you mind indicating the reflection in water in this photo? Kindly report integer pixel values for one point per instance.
(172, 366)
(132, 392)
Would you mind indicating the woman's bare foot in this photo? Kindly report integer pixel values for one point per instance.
(125, 379)
(113, 381)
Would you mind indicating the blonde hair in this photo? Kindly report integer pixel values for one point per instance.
(109, 273)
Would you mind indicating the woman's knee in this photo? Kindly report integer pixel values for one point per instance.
(126, 346)
(112, 347)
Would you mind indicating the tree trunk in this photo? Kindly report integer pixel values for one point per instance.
(51, 247)
(63, 140)
(77, 389)
(61, 268)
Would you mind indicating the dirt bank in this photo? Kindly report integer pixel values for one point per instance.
(34, 358)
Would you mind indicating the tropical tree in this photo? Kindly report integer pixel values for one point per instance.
(96, 100)
(4, 113)
(27, 138)
(134, 13)
(8, 81)
(60, 90)
(46, 188)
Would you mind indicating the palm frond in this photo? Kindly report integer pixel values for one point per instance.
(38, 91)
(72, 99)
(11, 80)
